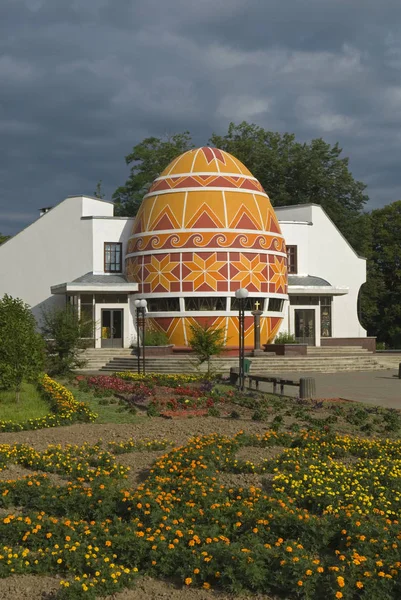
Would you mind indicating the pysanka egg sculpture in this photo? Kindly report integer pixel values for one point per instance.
(205, 229)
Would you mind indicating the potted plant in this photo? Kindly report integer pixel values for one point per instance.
(285, 344)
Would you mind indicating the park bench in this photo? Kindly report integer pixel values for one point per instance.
(306, 385)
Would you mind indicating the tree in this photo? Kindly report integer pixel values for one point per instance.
(98, 193)
(147, 159)
(296, 173)
(21, 346)
(65, 334)
(206, 342)
(381, 295)
(4, 238)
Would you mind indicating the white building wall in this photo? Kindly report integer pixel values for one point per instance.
(113, 229)
(338, 262)
(54, 249)
(325, 253)
(110, 229)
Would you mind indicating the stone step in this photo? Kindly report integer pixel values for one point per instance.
(184, 366)
(254, 361)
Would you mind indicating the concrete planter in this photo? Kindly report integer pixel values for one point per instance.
(286, 349)
(157, 350)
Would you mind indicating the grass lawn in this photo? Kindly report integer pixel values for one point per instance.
(31, 405)
(110, 412)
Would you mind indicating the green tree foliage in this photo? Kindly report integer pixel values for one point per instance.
(98, 193)
(296, 173)
(381, 295)
(148, 159)
(4, 238)
(65, 334)
(21, 347)
(206, 342)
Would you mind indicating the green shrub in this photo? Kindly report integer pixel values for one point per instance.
(155, 337)
(258, 415)
(285, 338)
(206, 342)
(21, 347)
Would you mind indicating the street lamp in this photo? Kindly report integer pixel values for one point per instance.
(241, 295)
(140, 306)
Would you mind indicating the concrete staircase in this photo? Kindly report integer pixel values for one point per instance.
(326, 360)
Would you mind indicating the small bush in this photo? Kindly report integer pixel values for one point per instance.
(258, 415)
(285, 338)
(235, 415)
(155, 337)
(213, 412)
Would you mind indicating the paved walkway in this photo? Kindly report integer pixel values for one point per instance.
(373, 387)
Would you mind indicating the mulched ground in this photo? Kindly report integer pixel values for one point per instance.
(29, 587)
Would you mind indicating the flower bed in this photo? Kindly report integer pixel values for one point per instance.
(158, 393)
(65, 409)
(161, 378)
(328, 528)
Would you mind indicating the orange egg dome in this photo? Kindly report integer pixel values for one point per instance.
(205, 229)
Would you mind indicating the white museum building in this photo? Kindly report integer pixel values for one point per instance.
(75, 252)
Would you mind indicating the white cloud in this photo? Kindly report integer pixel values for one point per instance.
(16, 70)
(242, 107)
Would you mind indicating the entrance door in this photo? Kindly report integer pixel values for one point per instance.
(112, 328)
(305, 326)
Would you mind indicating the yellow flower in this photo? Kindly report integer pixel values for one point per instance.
(339, 595)
(188, 581)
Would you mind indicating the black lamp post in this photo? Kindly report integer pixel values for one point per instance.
(140, 306)
(241, 295)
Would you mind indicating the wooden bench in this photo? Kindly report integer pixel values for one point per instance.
(306, 385)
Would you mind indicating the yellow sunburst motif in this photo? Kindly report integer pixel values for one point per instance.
(160, 272)
(134, 271)
(205, 271)
(250, 272)
(279, 269)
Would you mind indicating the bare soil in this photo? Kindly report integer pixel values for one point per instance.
(29, 587)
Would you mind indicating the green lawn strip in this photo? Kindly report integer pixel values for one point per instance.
(30, 406)
(112, 412)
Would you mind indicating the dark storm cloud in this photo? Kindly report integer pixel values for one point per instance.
(82, 82)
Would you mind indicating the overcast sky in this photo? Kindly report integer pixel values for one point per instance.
(82, 81)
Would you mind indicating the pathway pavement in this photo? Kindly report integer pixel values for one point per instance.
(373, 387)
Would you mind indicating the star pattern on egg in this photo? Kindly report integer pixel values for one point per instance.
(205, 271)
(160, 272)
(279, 277)
(250, 272)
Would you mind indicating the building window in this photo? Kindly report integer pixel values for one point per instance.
(111, 298)
(325, 316)
(292, 259)
(304, 300)
(249, 303)
(205, 303)
(275, 304)
(163, 304)
(112, 257)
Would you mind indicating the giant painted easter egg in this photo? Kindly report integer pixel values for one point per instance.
(205, 229)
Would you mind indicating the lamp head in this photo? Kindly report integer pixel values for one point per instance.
(242, 293)
(137, 303)
(143, 303)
